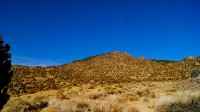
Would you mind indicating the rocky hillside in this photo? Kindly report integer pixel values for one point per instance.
(115, 67)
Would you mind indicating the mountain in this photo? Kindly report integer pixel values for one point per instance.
(114, 67)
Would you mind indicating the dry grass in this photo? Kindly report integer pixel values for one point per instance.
(86, 98)
(88, 105)
(131, 97)
(128, 97)
(21, 105)
(143, 91)
(181, 101)
(96, 95)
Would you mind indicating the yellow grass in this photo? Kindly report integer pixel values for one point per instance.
(183, 101)
(127, 97)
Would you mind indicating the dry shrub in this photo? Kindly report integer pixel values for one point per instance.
(17, 105)
(119, 85)
(108, 87)
(112, 92)
(113, 104)
(98, 101)
(96, 95)
(38, 105)
(142, 91)
(146, 99)
(115, 107)
(57, 105)
(91, 86)
(89, 105)
(119, 91)
(106, 106)
(151, 104)
(21, 105)
(182, 101)
(99, 106)
(152, 85)
(152, 95)
(60, 95)
(171, 90)
(130, 108)
(132, 97)
(71, 105)
(49, 109)
(83, 107)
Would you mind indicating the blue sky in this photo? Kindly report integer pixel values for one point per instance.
(53, 32)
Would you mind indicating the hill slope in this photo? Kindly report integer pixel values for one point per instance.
(115, 67)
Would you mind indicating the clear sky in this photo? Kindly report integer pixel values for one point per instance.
(52, 32)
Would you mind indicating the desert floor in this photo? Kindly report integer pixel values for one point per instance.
(148, 96)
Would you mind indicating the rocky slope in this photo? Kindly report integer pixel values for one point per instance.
(115, 67)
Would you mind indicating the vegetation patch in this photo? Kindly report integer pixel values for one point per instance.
(181, 101)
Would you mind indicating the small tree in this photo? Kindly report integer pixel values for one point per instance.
(195, 73)
(5, 74)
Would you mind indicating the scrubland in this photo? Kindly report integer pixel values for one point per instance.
(148, 96)
(111, 82)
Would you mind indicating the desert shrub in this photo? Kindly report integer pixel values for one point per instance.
(153, 95)
(132, 97)
(182, 101)
(108, 87)
(60, 95)
(95, 96)
(130, 108)
(83, 107)
(49, 109)
(106, 106)
(195, 73)
(91, 86)
(38, 106)
(171, 90)
(151, 104)
(38, 103)
(21, 105)
(59, 106)
(146, 99)
(142, 91)
(112, 92)
(18, 105)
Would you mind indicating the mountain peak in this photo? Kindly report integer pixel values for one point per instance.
(190, 58)
(118, 53)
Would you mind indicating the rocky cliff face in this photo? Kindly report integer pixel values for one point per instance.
(115, 67)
